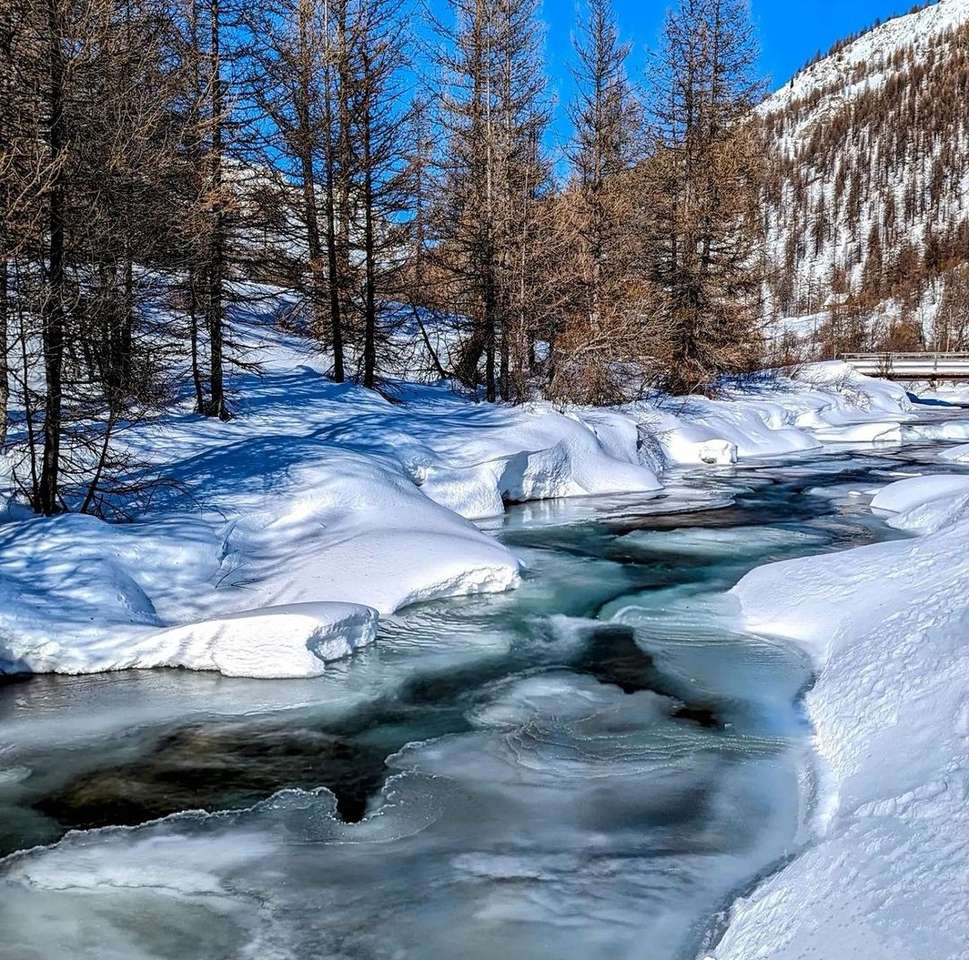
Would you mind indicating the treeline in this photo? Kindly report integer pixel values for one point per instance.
(157, 154)
(842, 44)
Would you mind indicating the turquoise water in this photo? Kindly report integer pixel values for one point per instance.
(590, 766)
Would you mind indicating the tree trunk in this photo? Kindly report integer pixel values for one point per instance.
(216, 406)
(332, 254)
(305, 141)
(4, 334)
(370, 308)
(48, 494)
(194, 342)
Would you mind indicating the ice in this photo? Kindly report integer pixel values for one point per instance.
(959, 454)
(729, 543)
(571, 820)
(874, 432)
(595, 761)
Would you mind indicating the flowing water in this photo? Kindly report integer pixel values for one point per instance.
(589, 767)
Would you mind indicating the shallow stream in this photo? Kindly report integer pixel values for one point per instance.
(589, 767)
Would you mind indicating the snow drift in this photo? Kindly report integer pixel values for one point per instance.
(321, 493)
(886, 625)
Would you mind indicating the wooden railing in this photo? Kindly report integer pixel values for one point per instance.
(911, 366)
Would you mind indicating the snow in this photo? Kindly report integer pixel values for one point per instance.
(322, 493)
(294, 640)
(875, 46)
(948, 392)
(887, 872)
(541, 454)
(836, 93)
(958, 454)
(916, 491)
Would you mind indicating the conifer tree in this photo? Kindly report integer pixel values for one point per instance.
(706, 175)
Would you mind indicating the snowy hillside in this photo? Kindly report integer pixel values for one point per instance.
(839, 74)
(867, 206)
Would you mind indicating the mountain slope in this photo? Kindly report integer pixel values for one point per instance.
(868, 205)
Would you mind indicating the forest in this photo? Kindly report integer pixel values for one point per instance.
(164, 160)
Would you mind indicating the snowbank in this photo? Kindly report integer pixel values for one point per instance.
(540, 455)
(323, 493)
(776, 416)
(296, 640)
(952, 430)
(277, 590)
(916, 491)
(886, 625)
(923, 505)
(958, 454)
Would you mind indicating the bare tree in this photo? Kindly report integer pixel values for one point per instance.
(705, 180)
(492, 118)
(606, 331)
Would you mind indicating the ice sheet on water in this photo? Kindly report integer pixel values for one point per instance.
(699, 645)
(846, 493)
(959, 454)
(731, 542)
(571, 820)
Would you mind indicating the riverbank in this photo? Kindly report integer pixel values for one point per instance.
(320, 507)
(591, 762)
(886, 625)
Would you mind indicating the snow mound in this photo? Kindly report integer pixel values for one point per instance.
(925, 504)
(949, 430)
(958, 454)
(350, 529)
(317, 492)
(917, 491)
(542, 455)
(273, 642)
(886, 625)
(78, 595)
(775, 416)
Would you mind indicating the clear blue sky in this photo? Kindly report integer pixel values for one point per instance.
(790, 31)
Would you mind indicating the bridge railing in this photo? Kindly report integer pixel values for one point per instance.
(911, 366)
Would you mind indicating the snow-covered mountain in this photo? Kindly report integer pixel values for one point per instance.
(868, 204)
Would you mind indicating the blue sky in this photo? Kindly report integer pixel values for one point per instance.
(790, 31)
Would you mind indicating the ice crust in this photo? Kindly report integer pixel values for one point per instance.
(539, 832)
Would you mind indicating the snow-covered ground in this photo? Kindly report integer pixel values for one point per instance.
(287, 531)
(886, 624)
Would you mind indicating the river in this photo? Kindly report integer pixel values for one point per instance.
(591, 766)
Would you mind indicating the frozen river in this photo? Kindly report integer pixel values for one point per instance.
(589, 767)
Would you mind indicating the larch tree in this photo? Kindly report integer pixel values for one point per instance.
(705, 179)
(606, 314)
(85, 185)
(493, 116)
(216, 267)
(377, 55)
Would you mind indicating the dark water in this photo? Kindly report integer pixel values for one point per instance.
(590, 764)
